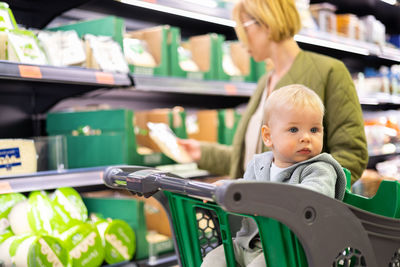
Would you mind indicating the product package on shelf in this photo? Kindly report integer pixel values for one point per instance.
(111, 26)
(63, 48)
(375, 30)
(103, 53)
(34, 241)
(21, 46)
(349, 25)
(54, 229)
(324, 15)
(197, 58)
(213, 125)
(7, 20)
(17, 156)
(238, 65)
(34, 250)
(103, 42)
(111, 136)
(395, 40)
(174, 118)
(7, 201)
(167, 142)
(146, 51)
(145, 216)
(307, 21)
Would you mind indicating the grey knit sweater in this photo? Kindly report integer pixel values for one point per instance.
(321, 173)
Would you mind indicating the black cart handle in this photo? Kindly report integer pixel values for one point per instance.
(147, 181)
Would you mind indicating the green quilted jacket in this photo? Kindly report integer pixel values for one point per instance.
(344, 135)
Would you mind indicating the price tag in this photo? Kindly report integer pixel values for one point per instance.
(104, 77)
(230, 89)
(5, 188)
(30, 71)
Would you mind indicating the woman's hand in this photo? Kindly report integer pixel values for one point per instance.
(192, 147)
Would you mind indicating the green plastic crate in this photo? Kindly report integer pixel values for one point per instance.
(112, 141)
(226, 133)
(254, 68)
(107, 26)
(260, 69)
(153, 34)
(215, 57)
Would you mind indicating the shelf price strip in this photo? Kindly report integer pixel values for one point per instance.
(5, 188)
(104, 78)
(26, 71)
(230, 89)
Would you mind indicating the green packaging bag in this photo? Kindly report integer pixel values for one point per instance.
(7, 201)
(119, 240)
(69, 205)
(42, 250)
(84, 244)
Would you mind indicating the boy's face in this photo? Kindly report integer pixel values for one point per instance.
(294, 134)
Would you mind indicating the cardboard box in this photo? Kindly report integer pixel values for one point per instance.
(205, 53)
(234, 53)
(156, 40)
(206, 126)
(175, 118)
(215, 125)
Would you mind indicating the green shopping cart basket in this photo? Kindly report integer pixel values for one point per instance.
(304, 228)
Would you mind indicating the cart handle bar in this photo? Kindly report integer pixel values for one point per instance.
(147, 181)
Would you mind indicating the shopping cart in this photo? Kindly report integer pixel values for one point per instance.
(298, 227)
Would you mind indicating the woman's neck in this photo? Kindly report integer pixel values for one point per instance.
(283, 56)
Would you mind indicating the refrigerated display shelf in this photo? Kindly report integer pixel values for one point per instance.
(189, 86)
(211, 13)
(379, 99)
(52, 179)
(65, 75)
(161, 261)
(207, 10)
(334, 41)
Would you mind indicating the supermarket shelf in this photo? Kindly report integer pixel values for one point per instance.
(333, 41)
(161, 261)
(79, 178)
(384, 150)
(328, 40)
(383, 101)
(51, 179)
(205, 10)
(65, 75)
(209, 11)
(188, 86)
(376, 157)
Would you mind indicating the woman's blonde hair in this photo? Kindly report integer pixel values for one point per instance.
(280, 16)
(296, 95)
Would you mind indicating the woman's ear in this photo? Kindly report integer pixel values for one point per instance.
(266, 135)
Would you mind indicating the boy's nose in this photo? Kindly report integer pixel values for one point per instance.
(305, 138)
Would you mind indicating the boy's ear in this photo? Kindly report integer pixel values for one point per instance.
(266, 135)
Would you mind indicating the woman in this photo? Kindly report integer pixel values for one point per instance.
(267, 29)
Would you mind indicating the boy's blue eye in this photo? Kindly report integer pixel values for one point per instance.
(314, 130)
(293, 130)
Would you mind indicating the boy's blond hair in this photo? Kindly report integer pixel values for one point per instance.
(280, 16)
(295, 95)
